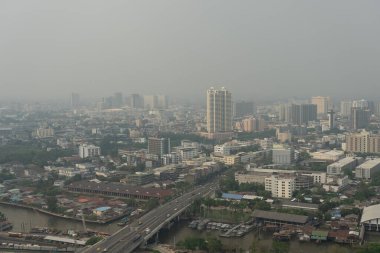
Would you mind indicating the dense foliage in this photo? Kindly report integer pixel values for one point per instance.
(212, 245)
(27, 154)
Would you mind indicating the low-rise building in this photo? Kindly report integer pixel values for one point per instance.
(371, 218)
(282, 155)
(319, 177)
(328, 155)
(338, 167)
(231, 159)
(86, 150)
(368, 168)
(140, 178)
(255, 177)
(187, 153)
(68, 172)
(335, 183)
(100, 211)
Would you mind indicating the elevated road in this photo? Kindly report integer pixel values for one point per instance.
(138, 232)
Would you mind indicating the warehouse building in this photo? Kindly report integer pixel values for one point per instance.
(371, 218)
(279, 219)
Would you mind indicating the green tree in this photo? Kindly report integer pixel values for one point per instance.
(214, 245)
(93, 240)
(193, 243)
(363, 192)
(52, 203)
(371, 248)
(151, 204)
(280, 247)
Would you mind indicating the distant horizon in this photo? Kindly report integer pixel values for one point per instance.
(259, 50)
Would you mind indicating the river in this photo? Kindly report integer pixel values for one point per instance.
(180, 231)
(23, 219)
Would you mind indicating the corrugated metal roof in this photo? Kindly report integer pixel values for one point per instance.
(280, 216)
(370, 213)
(232, 196)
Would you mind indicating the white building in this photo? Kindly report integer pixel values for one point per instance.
(368, 168)
(338, 167)
(86, 150)
(328, 155)
(282, 155)
(318, 177)
(280, 187)
(187, 153)
(336, 183)
(371, 218)
(68, 172)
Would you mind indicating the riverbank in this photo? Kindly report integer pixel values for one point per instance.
(105, 222)
(261, 242)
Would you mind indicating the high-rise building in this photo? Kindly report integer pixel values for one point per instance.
(219, 110)
(75, 100)
(331, 114)
(345, 108)
(377, 109)
(362, 104)
(302, 114)
(308, 113)
(249, 124)
(244, 108)
(117, 100)
(363, 142)
(150, 101)
(162, 101)
(158, 146)
(359, 118)
(322, 103)
(136, 101)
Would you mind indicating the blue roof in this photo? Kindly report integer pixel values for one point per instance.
(232, 196)
(103, 208)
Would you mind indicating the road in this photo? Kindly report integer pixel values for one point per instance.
(132, 236)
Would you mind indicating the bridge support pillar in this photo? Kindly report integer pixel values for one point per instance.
(156, 239)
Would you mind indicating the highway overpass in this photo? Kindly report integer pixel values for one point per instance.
(138, 232)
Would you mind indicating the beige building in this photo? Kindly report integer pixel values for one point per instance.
(231, 159)
(219, 110)
(256, 177)
(363, 142)
(322, 103)
(249, 125)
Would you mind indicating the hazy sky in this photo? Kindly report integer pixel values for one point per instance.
(257, 49)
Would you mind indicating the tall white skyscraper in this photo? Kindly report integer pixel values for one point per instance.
(219, 110)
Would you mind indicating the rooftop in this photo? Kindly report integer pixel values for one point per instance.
(370, 213)
(120, 188)
(280, 216)
(369, 164)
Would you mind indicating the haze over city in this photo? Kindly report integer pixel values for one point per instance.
(261, 50)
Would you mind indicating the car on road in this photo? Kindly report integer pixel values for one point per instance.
(147, 230)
